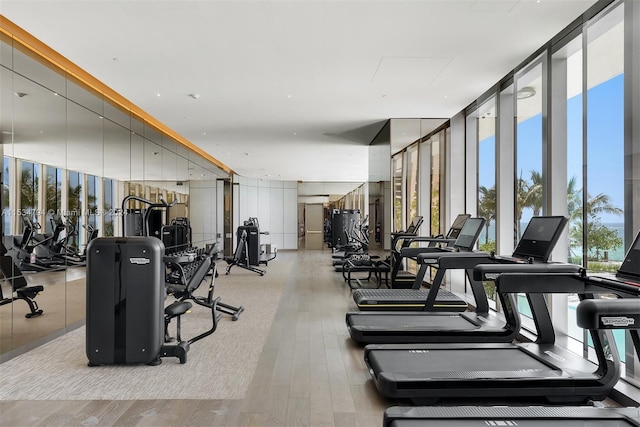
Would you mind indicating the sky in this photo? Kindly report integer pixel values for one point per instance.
(605, 145)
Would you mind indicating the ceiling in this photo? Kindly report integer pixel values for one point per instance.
(294, 90)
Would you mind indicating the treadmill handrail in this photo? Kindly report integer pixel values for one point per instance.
(414, 252)
(453, 256)
(482, 271)
(560, 283)
(437, 239)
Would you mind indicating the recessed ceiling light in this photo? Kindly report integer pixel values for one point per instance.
(288, 96)
(526, 92)
(194, 95)
(295, 133)
(157, 94)
(247, 154)
(21, 94)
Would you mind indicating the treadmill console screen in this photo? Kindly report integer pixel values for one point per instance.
(540, 237)
(469, 233)
(415, 224)
(631, 264)
(457, 225)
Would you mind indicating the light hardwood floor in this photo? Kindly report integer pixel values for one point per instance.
(309, 374)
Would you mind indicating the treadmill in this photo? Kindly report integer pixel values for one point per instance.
(591, 314)
(522, 416)
(424, 373)
(429, 325)
(414, 298)
(403, 279)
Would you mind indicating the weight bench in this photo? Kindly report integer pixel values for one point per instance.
(183, 280)
(363, 263)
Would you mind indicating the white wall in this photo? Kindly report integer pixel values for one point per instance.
(274, 203)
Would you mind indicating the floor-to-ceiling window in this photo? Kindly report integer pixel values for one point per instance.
(529, 145)
(528, 171)
(588, 76)
(412, 182)
(398, 196)
(74, 207)
(108, 207)
(53, 197)
(93, 183)
(487, 172)
(412, 199)
(603, 194)
(601, 225)
(6, 206)
(29, 190)
(437, 153)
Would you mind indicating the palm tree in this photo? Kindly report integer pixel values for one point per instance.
(574, 200)
(601, 204)
(535, 199)
(487, 207)
(29, 190)
(528, 195)
(598, 235)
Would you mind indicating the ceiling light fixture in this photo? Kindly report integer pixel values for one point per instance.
(20, 94)
(526, 92)
(194, 95)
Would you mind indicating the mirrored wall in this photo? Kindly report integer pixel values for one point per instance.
(70, 157)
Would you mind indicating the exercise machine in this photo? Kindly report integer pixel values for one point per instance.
(424, 373)
(127, 321)
(423, 325)
(341, 221)
(177, 236)
(516, 416)
(590, 314)
(32, 251)
(143, 222)
(400, 277)
(18, 284)
(187, 270)
(415, 298)
(240, 257)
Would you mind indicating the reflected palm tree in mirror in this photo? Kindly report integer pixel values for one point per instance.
(75, 210)
(28, 189)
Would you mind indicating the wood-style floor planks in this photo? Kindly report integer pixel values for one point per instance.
(309, 373)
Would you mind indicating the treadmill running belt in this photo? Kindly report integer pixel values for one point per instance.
(523, 416)
(498, 363)
(397, 299)
(445, 322)
(498, 422)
